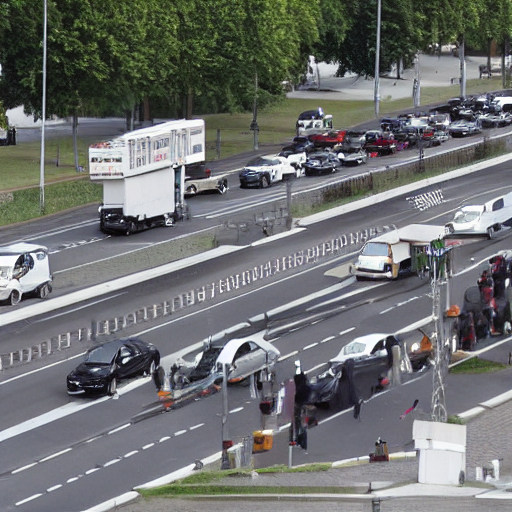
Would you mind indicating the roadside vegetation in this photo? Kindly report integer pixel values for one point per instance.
(65, 188)
(475, 365)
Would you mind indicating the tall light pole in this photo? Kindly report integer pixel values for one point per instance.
(43, 118)
(377, 61)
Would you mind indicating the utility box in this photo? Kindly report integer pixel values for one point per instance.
(262, 440)
(442, 452)
(235, 456)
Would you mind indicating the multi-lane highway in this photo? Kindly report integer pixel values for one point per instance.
(61, 453)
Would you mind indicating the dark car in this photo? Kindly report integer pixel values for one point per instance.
(300, 144)
(353, 142)
(322, 163)
(110, 362)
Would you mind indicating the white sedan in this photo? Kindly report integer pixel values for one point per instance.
(361, 349)
(263, 171)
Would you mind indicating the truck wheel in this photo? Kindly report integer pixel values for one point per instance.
(15, 297)
(44, 291)
(264, 182)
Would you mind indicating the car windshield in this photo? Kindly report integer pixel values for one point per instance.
(259, 161)
(466, 216)
(375, 249)
(101, 355)
(355, 347)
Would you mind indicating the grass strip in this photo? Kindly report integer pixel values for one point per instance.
(475, 365)
(216, 490)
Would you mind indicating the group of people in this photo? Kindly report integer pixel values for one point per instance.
(487, 307)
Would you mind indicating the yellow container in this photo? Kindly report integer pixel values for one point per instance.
(262, 440)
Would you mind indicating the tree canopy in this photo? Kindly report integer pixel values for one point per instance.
(198, 56)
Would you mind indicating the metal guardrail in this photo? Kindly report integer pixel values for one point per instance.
(100, 328)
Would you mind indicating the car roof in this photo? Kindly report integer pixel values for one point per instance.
(368, 340)
(21, 247)
(229, 350)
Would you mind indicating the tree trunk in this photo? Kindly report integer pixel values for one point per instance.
(75, 140)
(190, 102)
(147, 112)
(398, 69)
(489, 45)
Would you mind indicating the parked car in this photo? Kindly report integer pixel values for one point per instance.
(300, 144)
(383, 145)
(354, 158)
(495, 119)
(24, 270)
(295, 158)
(328, 139)
(313, 121)
(439, 121)
(198, 185)
(322, 163)
(105, 365)
(244, 357)
(353, 141)
(263, 171)
(464, 127)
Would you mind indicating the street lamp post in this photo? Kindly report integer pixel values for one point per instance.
(43, 117)
(377, 61)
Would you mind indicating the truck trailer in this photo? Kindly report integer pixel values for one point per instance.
(143, 174)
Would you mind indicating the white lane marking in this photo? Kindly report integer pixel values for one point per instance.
(90, 471)
(46, 418)
(315, 367)
(79, 308)
(179, 433)
(129, 454)
(111, 463)
(237, 409)
(122, 427)
(52, 232)
(31, 372)
(58, 454)
(165, 438)
(54, 488)
(26, 500)
(200, 425)
(150, 445)
(287, 356)
(307, 347)
(73, 479)
(93, 439)
(19, 470)
(329, 338)
(400, 304)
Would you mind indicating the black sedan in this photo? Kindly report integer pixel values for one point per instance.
(110, 362)
(321, 163)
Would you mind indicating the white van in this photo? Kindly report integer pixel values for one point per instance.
(395, 253)
(24, 268)
(483, 219)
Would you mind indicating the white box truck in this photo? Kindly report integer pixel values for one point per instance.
(143, 174)
(395, 252)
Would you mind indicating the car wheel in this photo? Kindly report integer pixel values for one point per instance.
(490, 233)
(112, 386)
(15, 297)
(264, 182)
(131, 228)
(223, 187)
(44, 291)
(191, 190)
(150, 369)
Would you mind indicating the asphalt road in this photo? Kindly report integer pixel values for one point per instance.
(96, 437)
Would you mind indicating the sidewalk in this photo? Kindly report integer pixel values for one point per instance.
(434, 72)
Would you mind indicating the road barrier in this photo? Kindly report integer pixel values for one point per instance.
(100, 329)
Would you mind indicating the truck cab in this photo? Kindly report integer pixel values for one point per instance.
(313, 121)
